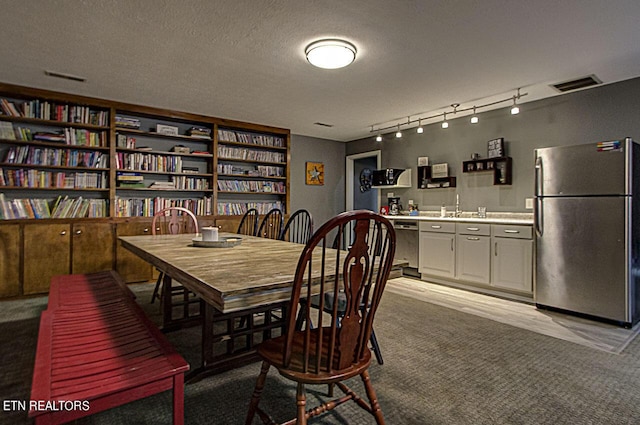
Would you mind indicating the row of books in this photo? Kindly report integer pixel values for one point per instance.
(124, 141)
(23, 208)
(190, 183)
(254, 139)
(35, 155)
(239, 208)
(258, 170)
(47, 179)
(62, 207)
(147, 207)
(79, 208)
(148, 162)
(46, 110)
(230, 152)
(127, 122)
(251, 186)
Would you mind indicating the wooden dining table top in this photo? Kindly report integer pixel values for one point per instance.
(256, 272)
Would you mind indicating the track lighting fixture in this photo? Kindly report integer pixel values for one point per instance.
(445, 124)
(474, 117)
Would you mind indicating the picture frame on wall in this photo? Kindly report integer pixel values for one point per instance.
(495, 148)
(314, 174)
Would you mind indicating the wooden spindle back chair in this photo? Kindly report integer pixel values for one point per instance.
(271, 226)
(249, 223)
(298, 228)
(174, 221)
(336, 348)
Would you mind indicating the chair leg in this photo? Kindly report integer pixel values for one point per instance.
(373, 399)
(257, 393)
(301, 404)
(376, 347)
(156, 289)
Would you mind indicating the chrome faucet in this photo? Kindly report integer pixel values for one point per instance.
(458, 212)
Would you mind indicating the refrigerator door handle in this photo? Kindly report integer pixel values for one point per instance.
(537, 206)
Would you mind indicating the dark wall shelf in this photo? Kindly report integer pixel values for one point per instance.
(426, 181)
(501, 167)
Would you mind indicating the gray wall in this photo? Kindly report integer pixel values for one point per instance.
(323, 202)
(606, 112)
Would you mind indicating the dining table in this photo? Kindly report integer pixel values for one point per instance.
(244, 288)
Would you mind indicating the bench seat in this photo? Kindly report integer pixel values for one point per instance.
(96, 345)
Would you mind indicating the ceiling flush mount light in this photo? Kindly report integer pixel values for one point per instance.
(330, 53)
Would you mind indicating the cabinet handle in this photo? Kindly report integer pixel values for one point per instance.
(473, 239)
(495, 249)
(64, 232)
(511, 231)
(146, 230)
(78, 232)
(451, 244)
(473, 229)
(436, 227)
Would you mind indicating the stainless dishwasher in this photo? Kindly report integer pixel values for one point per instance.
(407, 244)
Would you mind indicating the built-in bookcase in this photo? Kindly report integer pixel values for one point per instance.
(252, 171)
(67, 156)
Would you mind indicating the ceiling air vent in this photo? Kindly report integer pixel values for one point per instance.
(579, 83)
(321, 124)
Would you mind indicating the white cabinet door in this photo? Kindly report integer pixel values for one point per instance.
(473, 258)
(437, 254)
(512, 264)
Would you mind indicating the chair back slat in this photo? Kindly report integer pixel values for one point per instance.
(353, 277)
(298, 228)
(271, 226)
(174, 221)
(249, 223)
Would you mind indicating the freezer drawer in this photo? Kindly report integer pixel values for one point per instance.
(582, 261)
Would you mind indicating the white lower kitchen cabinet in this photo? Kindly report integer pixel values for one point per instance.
(512, 258)
(473, 258)
(437, 249)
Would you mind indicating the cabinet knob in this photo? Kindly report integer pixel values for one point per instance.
(64, 232)
(78, 232)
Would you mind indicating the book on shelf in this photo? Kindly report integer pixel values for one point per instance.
(162, 185)
(129, 176)
(199, 132)
(200, 152)
(6, 131)
(127, 122)
(131, 185)
(144, 148)
(190, 170)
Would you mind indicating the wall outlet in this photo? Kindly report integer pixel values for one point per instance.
(390, 195)
(410, 201)
(528, 203)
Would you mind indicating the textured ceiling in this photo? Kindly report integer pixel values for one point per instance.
(244, 60)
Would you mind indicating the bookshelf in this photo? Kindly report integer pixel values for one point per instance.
(99, 169)
(501, 167)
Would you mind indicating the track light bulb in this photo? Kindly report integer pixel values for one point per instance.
(398, 133)
(445, 124)
(379, 138)
(515, 110)
(474, 117)
(420, 130)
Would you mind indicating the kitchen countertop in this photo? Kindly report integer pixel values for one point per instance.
(469, 217)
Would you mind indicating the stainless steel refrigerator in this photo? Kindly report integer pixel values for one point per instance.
(586, 215)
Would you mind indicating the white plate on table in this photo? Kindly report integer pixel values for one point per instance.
(222, 242)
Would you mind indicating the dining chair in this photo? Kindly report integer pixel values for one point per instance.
(249, 223)
(336, 349)
(271, 226)
(174, 221)
(298, 228)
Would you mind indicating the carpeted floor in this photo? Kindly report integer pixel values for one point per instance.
(441, 366)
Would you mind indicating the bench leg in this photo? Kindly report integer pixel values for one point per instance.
(178, 399)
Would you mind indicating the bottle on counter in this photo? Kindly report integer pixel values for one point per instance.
(443, 211)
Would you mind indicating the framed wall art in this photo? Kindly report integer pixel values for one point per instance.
(314, 173)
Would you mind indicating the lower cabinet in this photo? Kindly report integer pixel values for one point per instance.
(10, 260)
(128, 265)
(512, 259)
(495, 256)
(229, 225)
(92, 247)
(437, 249)
(473, 252)
(47, 252)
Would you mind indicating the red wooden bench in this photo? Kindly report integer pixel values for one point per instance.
(97, 350)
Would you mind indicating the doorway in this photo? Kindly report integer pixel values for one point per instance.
(358, 195)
